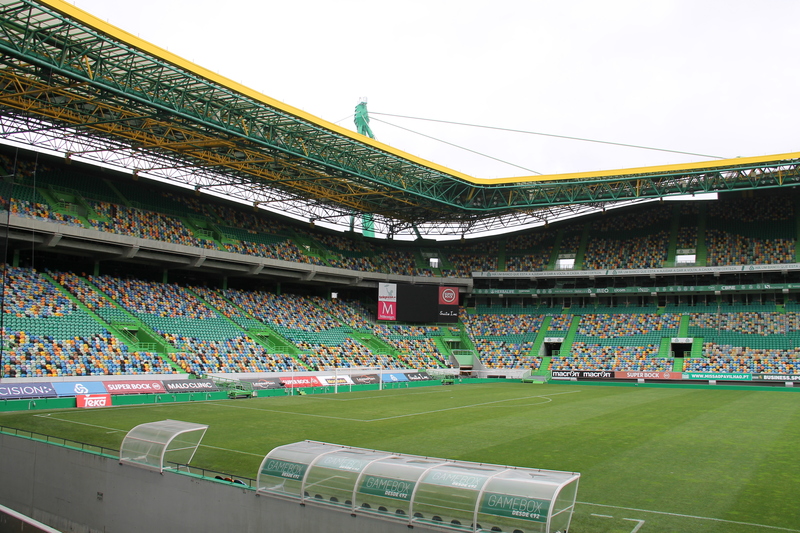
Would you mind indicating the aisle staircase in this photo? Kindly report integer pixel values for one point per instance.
(122, 330)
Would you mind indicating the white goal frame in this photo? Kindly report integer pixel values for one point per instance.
(440, 373)
(357, 370)
(509, 373)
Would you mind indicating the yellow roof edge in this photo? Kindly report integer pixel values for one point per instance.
(121, 35)
(720, 163)
(149, 48)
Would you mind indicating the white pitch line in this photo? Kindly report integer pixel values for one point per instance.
(778, 528)
(234, 451)
(326, 396)
(49, 417)
(545, 396)
(638, 526)
(324, 480)
(88, 412)
(125, 431)
(484, 404)
(289, 412)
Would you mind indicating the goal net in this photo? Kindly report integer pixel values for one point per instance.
(357, 375)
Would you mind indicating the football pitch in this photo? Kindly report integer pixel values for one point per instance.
(651, 459)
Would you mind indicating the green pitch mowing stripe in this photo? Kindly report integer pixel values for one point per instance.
(661, 459)
(689, 523)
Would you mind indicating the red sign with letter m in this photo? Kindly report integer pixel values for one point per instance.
(387, 310)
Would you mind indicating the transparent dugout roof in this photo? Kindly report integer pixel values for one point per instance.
(422, 490)
(156, 445)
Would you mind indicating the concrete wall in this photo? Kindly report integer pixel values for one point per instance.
(80, 492)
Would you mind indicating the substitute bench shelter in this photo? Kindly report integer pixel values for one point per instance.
(460, 495)
(157, 445)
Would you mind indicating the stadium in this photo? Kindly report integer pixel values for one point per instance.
(221, 312)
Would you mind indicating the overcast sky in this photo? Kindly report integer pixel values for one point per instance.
(716, 78)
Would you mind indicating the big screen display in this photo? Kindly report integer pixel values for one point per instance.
(417, 303)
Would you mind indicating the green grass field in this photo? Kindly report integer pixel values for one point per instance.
(651, 459)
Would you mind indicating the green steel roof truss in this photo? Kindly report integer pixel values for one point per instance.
(177, 114)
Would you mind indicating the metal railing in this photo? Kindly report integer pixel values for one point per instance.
(60, 441)
(211, 474)
(113, 453)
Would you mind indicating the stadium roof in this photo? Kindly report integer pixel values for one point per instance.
(76, 85)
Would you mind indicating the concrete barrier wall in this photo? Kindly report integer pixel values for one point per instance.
(81, 492)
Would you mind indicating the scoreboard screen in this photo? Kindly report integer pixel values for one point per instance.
(417, 303)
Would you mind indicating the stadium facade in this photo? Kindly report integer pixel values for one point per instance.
(164, 266)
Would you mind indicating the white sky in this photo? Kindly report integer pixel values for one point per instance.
(710, 77)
